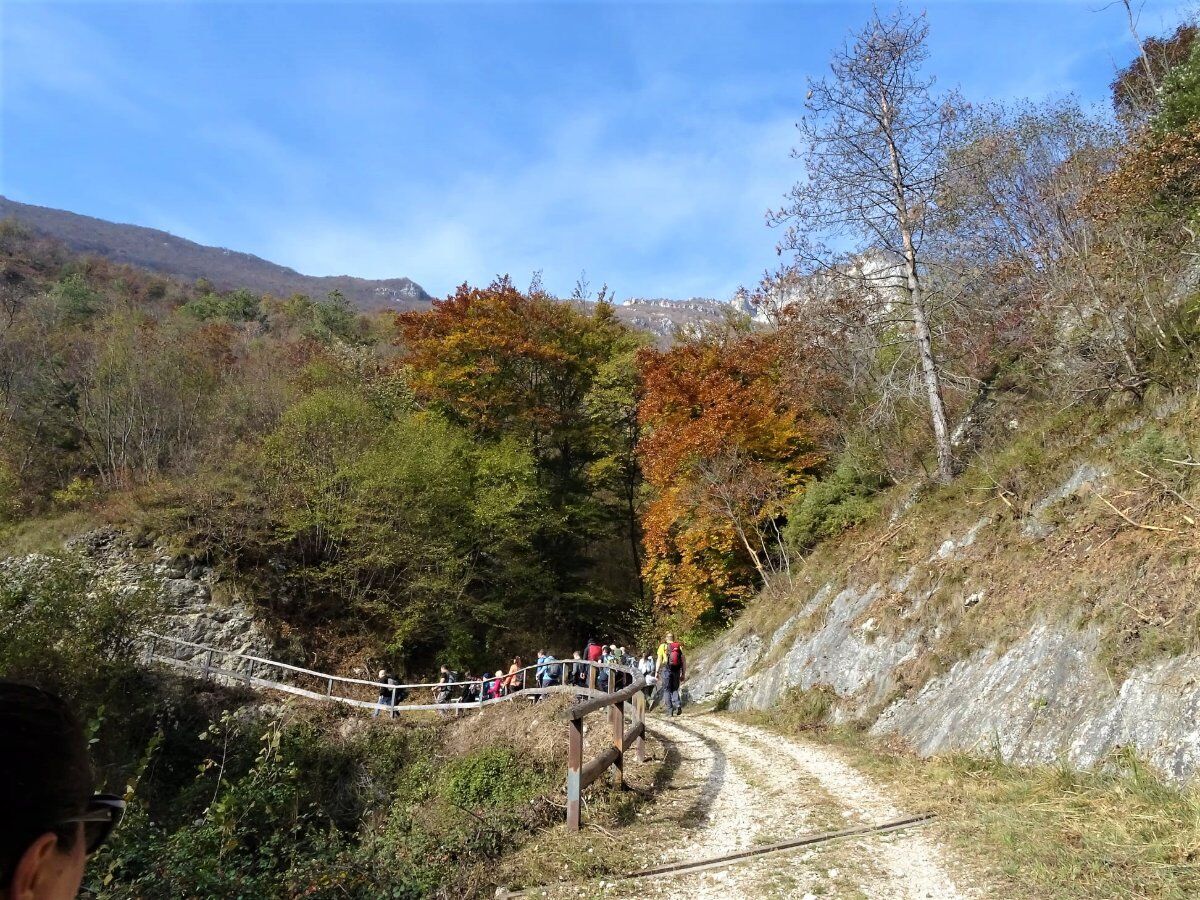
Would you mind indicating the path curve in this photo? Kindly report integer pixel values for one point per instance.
(737, 786)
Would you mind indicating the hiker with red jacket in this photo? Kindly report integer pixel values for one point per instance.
(672, 675)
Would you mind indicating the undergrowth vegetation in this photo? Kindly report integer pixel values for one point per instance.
(1054, 832)
(229, 797)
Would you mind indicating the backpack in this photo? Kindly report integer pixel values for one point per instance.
(675, 654)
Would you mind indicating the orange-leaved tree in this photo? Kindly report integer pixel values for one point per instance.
(527, 367)
(727, 445)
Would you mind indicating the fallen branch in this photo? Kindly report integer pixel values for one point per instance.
(1129, 520)
(879, 545)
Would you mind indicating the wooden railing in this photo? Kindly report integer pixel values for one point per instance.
(255, 671)
(579, 775)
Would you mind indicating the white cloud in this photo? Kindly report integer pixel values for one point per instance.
(647, 218)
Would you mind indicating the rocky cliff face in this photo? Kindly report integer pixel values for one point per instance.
(186, 588)
(1046, 693)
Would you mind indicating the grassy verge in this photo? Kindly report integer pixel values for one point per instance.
(1043, 831)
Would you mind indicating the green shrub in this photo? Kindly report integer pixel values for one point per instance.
(1153, 446)
(491, 778)
(835, 503)
(74, 298)
(1179, 105)
(236, 306)
(78, 492)
(60, 625)
(805, 709)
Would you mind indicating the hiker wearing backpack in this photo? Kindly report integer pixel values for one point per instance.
(645, 665)
(387, 694)
(673, 675)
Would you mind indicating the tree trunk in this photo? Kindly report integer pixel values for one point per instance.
(916, 299)
(929, 370)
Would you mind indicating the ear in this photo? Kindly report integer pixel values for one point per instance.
(33, 868)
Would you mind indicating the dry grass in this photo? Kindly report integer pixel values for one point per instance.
(1125, 567)
(1036, 832)
(1052, 831)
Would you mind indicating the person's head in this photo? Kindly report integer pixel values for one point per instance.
(670, 638)
(49, 824)
(499, 673)
(541, 653)
(382, 674)
(578, 655)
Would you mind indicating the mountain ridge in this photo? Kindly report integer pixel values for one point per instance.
(167, 254)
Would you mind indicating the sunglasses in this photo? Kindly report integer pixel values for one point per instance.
(99, 818)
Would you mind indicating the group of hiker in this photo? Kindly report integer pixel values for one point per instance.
(664, 672)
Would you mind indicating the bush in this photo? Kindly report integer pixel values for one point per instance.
(805, 710)
(835, 503)
(1153, 446)
(276, 808)
(78, 492)
(492, 778)
(60, 626)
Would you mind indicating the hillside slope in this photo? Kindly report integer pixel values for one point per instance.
(1044, 607)
(167, 254)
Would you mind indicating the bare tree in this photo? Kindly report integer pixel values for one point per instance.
(873, 145)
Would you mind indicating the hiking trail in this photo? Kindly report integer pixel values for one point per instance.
(732, 786)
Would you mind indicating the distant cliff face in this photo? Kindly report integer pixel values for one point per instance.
(167, 254)
(664, 318)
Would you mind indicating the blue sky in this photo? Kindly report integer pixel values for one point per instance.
(453, 141)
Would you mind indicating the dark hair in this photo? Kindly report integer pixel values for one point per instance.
(43, 756)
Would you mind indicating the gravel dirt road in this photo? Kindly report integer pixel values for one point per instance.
(733, 786)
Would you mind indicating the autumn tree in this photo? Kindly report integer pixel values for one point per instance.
(726, 447)
(873, 147)
(558, 377)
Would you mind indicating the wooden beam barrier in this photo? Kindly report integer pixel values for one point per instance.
(616, 721)
(639, 725)
(621, 739)
(574, 773)
(636, 733)
(597, 767)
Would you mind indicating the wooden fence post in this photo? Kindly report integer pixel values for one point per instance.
(207, 669)
(592, 676)
(616, 718)
(639, 718)
(574, 766)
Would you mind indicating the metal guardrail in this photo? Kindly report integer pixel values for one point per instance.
(267, 674)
